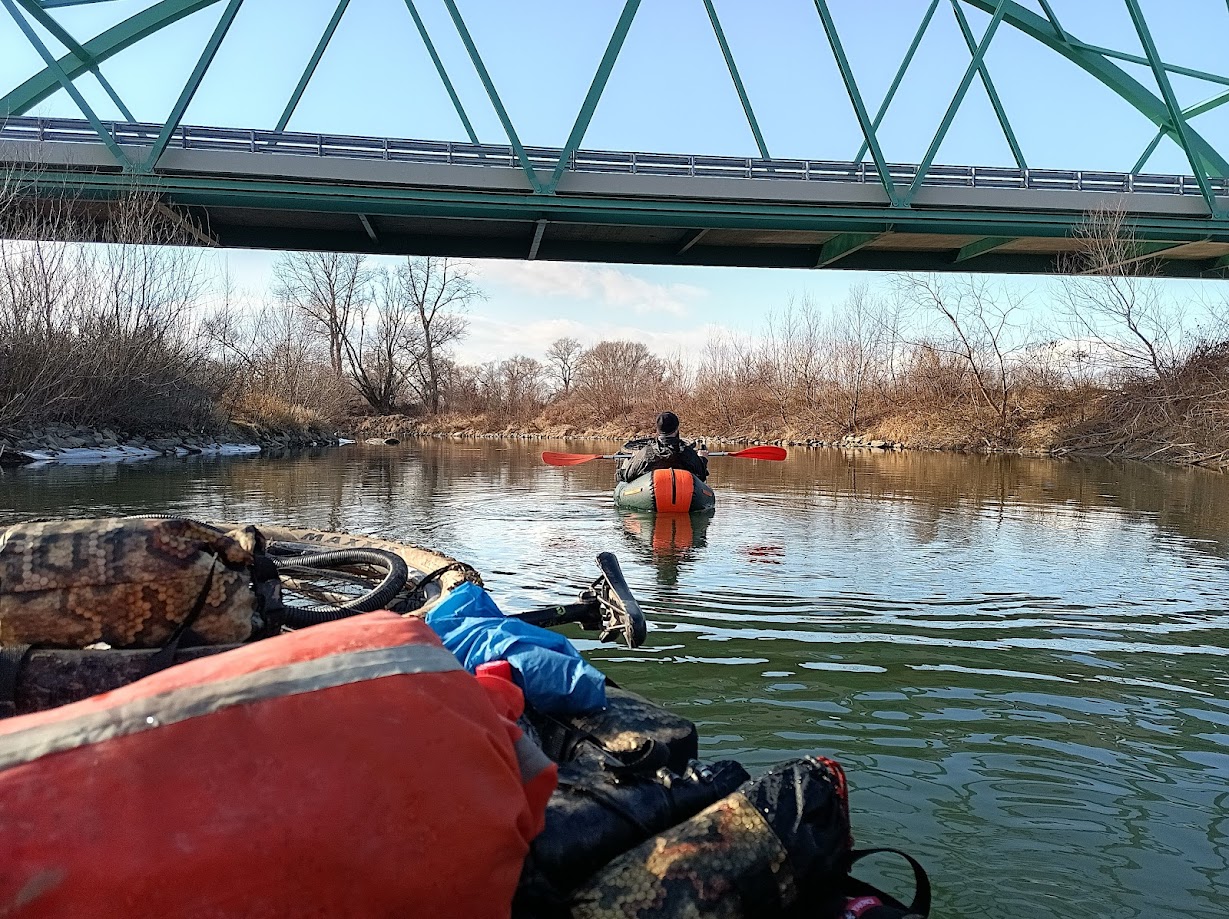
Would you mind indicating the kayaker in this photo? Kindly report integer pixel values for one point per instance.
(666, 451)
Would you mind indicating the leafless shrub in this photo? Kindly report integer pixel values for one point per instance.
(271, 360)
(99, 333)
(613, 378)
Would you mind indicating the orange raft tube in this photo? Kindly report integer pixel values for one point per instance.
(666, 491)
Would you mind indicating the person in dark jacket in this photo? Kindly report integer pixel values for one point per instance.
(666, 451)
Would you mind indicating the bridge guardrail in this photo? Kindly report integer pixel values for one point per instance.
(451, 153)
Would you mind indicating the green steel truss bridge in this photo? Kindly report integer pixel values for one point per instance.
(274, 188)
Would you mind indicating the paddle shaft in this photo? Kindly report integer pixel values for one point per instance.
(765, 452)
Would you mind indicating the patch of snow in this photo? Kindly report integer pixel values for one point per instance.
(229, 449)
(124, 454)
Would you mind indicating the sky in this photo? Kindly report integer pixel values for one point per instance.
(669, 92)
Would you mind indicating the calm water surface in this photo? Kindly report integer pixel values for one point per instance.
(1021, 662)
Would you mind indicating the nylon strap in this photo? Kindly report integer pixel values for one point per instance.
(921, 895)
(166, 654)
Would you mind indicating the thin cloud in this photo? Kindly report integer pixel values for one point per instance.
(494, 339)
(609, 287)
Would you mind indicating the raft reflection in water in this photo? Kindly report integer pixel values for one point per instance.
(670, 539)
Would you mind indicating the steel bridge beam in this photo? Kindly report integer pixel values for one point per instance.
(304, 214)
(1104, 70)
(981, 247)
(1161, 109)
(738, 80)
(313, 62)
(843, 244)
(98, 49)
(281, 199)
(1141, 252)
(64, 38)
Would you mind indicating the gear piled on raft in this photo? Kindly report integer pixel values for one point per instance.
(440, 760)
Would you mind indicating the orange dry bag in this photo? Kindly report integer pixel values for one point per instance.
(349, 769)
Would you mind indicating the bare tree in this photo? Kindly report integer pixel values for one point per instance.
(440, 290)
(858, 333)
(612, 375)
(1114, 303)
(522, 383)
(382, 351)
(561, 360)
(331, 289)
(979, 326)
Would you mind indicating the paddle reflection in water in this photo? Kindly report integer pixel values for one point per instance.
(671, 540)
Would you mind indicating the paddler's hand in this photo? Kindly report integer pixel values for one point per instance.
(703, 451)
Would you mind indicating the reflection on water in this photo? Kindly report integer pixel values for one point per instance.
(671, 539)
(1022, 662)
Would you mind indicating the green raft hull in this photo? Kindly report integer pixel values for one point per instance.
(666, 491)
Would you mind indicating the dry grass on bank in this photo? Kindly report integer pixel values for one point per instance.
(270, 411)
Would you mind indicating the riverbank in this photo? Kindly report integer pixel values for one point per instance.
(468, 427)
(66, 443)
(1049, 438)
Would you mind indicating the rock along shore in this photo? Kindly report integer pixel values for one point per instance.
(74, 444)
(394, 428)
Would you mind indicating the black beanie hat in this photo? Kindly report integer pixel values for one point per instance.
(667, 423)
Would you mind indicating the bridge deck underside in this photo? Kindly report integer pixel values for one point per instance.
(263, 200)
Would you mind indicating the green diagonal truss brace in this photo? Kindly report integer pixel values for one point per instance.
(327, 36)
(1176, 119)
(900, 74)
(738, 80)
(1103, 69)
(979, 54)
(106, 45)
(485, 76)
(589, 106)
(64, 38)
(65, 81)
(855, 99)
(984, 72)
(439, 68)
(1158, 104)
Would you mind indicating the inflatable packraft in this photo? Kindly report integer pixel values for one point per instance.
(666, 491)
(349, 763)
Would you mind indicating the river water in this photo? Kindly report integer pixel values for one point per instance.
(1021, 662)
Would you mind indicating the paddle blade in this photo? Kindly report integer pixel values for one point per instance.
(765, 453)
(568, 459)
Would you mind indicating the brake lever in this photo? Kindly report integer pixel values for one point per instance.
(607, 606)
(621, 614)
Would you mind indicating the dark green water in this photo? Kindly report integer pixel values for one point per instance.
(1021, 662)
